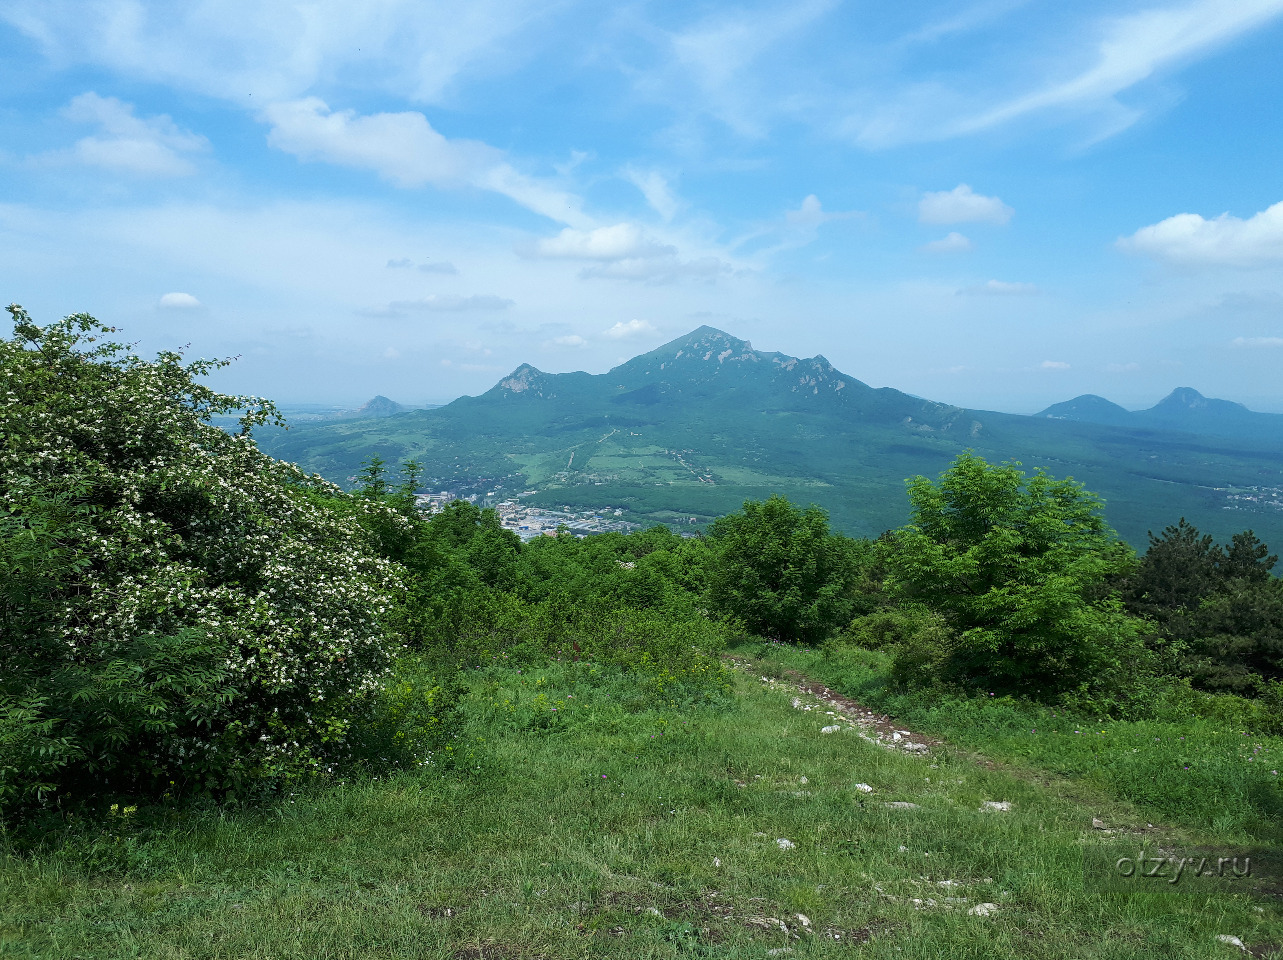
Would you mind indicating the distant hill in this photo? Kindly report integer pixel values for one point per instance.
(1184, 410)
(695, 427)
(373, 409)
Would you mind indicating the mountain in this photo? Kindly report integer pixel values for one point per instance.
(695, 427)
(1184, 410)
(1089, 408)
(378, 407)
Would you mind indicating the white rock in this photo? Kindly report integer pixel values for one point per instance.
(804, 780)
(1001, 806)
(834, 728)
(864, 788)
(785, 844)
(717, 861)
(901, 805)
(983, 910)
(1231, 941)
(803, 919)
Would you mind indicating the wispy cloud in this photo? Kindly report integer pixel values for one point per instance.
(430, 266)
(654, 186)
(229, 49)
(404, 149)
(125, 143)
(1116, 54)
(1257, 342)
(442, 303)
(619, 242)
(1188, 238)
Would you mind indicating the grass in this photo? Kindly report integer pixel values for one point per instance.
(589, 819)
(1200, 761)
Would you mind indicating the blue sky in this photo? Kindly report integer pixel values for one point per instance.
(999, 204)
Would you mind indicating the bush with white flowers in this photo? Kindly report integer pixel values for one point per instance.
(179, 611)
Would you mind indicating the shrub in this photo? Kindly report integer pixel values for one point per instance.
(181, 612)
(781, 572)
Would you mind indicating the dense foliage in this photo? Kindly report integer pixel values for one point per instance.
(780, 571)
(1017, 566)
(1218, 606)
(180, 611)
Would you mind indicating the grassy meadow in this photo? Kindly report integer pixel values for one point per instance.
(586, 816)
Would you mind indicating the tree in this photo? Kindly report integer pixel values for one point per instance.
(1180, 568)
(1016, 565)
(780, 570)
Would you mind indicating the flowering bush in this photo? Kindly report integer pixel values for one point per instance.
(180, 611)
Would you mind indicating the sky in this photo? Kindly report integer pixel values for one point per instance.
(1000, 204)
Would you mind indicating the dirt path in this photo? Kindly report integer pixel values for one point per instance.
(882, 730)
(814, 696)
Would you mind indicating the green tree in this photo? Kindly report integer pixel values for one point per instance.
(1180, 568)
(1017, 566)
(1218, 608)
(780, 571)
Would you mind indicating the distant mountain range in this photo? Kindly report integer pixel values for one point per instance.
(695, 427)
(1184, 409)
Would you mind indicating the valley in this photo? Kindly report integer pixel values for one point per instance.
(699, 425)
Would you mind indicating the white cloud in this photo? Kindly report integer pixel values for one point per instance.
(178, 301)
(715, 66)
(633, 328)
(1257, 341)
(654, 187)
(1054, 365)
(811, 214)
(1187, 238)
(953, 243)
(230, 49)
(1081, 71)
(404, 149)
(1001, 288)
(151, 147)
(623, 241)
(962, 205)
(574, 340)
(1133, 48)
(1122, 367)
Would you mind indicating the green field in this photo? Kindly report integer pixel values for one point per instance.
(620, 825)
